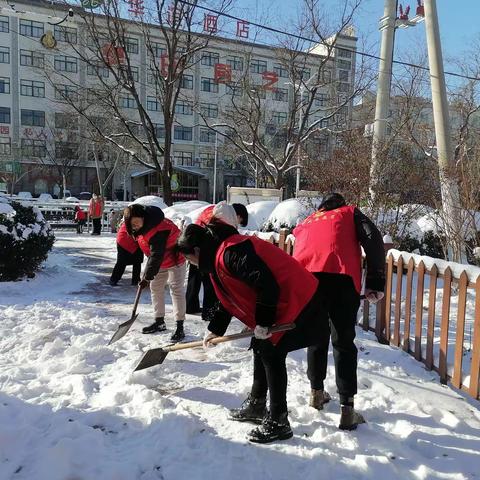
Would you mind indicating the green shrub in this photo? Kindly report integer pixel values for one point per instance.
(25, 240)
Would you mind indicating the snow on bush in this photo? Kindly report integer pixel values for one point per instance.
(25, 240)
(151, 200)
(185, 213)
(258, 213)
(289, 213)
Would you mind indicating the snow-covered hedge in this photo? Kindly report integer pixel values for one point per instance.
(25, 240)
(289, 213)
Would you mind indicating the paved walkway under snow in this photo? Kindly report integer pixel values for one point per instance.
(71, 409)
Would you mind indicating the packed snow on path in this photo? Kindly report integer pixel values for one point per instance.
(71, 408)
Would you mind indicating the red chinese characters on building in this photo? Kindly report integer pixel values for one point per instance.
(136, 7)
(223, 73)
(4, 130)
(113, 55)
(270, 80)
(174, 15)
(164, 64)
(242, 29)
(210, 23)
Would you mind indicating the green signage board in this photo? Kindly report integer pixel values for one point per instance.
(10, 167)
(92, 4)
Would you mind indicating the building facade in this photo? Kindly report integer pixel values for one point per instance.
(43, 145)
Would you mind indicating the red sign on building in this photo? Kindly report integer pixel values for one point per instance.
(242, 29)
(136, 7)
(4, 130)
(223, 73)
(113, 55)
(210, 23)
(270, 79)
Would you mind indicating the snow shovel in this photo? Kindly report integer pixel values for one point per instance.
(156, 356)
(124, 327)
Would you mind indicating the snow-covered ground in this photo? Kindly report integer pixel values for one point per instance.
(71, 408)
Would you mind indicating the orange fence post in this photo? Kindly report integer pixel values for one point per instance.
(445, 323)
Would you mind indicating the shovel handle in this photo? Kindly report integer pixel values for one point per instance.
(227, 338)
(137, 299)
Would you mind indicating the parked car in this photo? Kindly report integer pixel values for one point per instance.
(25, 195)
(72, 200)
(45, 197)
(85, 196)
(67, 193)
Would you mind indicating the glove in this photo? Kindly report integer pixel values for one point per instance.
(144, 283)
(207, 337)
(261, 333)
(373, 296)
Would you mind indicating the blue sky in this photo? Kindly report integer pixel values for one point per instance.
(459, 22)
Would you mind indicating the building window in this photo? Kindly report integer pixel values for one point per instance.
(67, 150)
(345, 64)
(5, 146)
(135, 73)
(321, 100)
(209, 110)
(344, 53)
(280, 70)
(34, 148)
(30, 28)
(66, 120)
(210, 58)
(159, 130)
(279, 118)
(236, 63)
(64, 63)
(152, 104)
(258, 91)
(280, 95)
(31, 59)
(157, 49)
(4, 115)
(4, 55)
(327, 76)
(32, 88)
(233, 90)
(126, 101)
(4, 85)
(209, 85)
(183, 107)
(343, 75)
(186, 82)
(131, 44)
(258, 66)
(183, 158)
(66, 92)
(4, 24)
(304, 74)
(33, 118)
(182, 133)
(343, 87)
(207, 135)
(98, 70)
(65, 34)
(207, 160)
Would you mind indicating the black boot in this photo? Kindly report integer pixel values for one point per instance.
(271, 430)
(252, 410)
(157, 326)
(179, 333)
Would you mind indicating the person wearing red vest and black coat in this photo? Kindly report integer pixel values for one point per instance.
(80, 218)
(128, 253)
(156, 236)
(262, 286)
(327, 244)
(95, 212)
(235, 214)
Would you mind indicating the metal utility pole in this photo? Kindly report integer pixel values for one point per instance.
(215, 169)
(387, 27)
(445, 154)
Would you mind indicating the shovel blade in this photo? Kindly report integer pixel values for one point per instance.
(153, 357)
(122, 330)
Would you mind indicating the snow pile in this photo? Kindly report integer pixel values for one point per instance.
(6, 208)
(150, 200)
(185, 213)
(289, 213)
(258, 213)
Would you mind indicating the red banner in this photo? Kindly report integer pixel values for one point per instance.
(223, 73)
(271, 79)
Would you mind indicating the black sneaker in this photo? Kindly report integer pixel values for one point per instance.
(349, 418)
(157, 326)
(271, 430)
(179, 333)
(252, 410)
(113, 283)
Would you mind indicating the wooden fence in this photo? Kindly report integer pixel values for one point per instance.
(430, 312)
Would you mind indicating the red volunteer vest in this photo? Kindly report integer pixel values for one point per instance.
(170, 259)
(297, 286)
(95, 209)
(206, 216)
(125, 240)
(80, 215)
(327, 242)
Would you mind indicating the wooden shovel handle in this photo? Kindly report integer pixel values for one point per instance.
(227, 338)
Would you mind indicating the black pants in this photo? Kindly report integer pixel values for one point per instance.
(269, 361)
(125, 258)
(195, 281)
(342, 302)
(80, 224)
(97, 226)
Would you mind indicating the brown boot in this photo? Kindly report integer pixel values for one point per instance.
(349, 418)
(318, 398)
